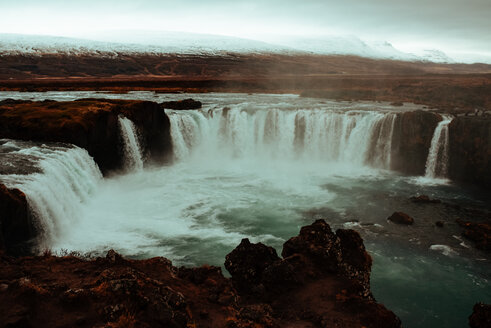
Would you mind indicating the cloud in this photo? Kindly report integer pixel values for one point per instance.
(454, 25)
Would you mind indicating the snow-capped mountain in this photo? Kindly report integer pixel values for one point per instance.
(436, 56)
(168, 43)
(130, 42)
(346, 45)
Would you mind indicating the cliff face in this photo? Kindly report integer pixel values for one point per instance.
(89, 123)
(413, 132)
(16, 226)
(321, 281)
(470, 150)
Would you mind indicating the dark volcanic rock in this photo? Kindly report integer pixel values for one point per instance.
(247, 262)
(112, 291)
(470, 150)
(182, 104)
(401, 218)
(316, 242)
(481, 316)
(320, 270)
(356, 262)
(423, 199)
(413, 132)
(16, 225)
(91, 124)
(478, 232)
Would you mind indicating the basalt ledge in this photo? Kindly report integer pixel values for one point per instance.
(91, 124)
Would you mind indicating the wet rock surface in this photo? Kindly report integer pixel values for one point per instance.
(470, 150)
(413, 132)
(16, 225)
(401, 218)
(298, 290)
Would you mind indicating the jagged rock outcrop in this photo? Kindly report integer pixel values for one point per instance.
(182, 104)
(91, 124)
(413, 132)
(322, 279)
(470, 150)
(265, 291)
(16, 226)
(481, 316)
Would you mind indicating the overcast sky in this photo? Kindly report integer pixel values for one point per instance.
(454, 26)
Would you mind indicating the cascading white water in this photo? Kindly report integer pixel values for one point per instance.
(437, 161)
(132, 150)
(67, 177)
(357, 137)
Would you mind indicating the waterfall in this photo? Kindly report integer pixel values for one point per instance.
(437, 161)
(66, 178)
(132, 150)
(356, 137)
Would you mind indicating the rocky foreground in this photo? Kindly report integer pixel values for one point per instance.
(321, 280)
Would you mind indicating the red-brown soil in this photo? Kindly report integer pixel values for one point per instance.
(451, 87)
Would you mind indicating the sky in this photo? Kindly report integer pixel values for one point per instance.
(461, 28)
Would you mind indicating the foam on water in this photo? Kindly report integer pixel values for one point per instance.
(444, 249)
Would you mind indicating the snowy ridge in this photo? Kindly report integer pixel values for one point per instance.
(171, 43)
(157, 43)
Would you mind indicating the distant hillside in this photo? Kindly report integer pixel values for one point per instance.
(132, 43)
(26, 66)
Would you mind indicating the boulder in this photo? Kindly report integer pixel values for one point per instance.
(401, 218)
(481, 316)
(478, 232)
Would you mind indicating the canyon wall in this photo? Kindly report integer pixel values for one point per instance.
(470, 150)
(411, 142)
